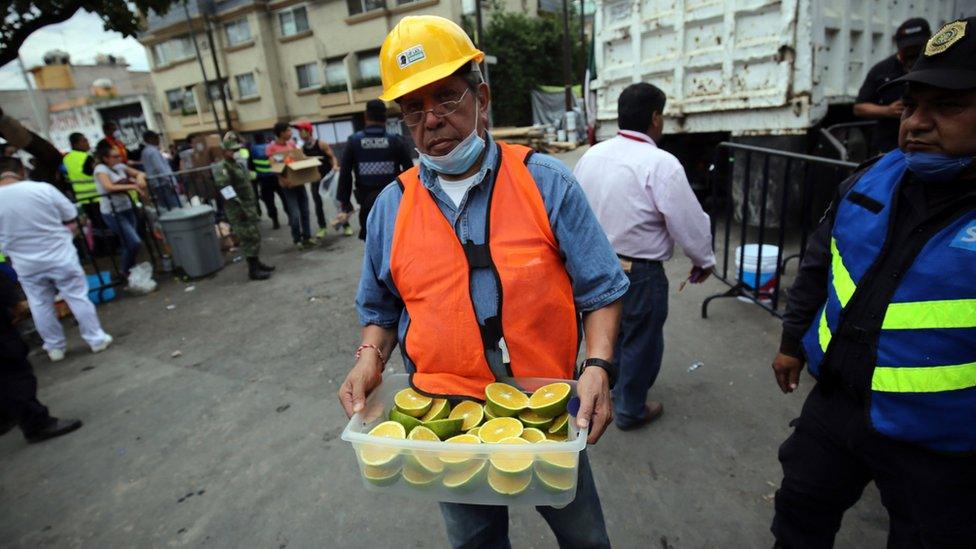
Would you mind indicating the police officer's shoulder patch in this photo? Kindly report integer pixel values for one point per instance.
(945, 38)
(966, 239)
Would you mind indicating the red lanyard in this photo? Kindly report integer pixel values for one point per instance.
(632, 138)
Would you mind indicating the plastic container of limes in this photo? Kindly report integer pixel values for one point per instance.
(465, 471)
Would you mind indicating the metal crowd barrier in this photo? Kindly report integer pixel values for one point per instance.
(790, 189)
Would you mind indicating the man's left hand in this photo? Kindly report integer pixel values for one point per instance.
(595, 411)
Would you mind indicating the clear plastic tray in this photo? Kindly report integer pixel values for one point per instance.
(551, 478)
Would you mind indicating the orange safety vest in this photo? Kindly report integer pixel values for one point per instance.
(431, 270)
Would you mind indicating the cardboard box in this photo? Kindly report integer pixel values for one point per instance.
(294, 168)
(206, 150)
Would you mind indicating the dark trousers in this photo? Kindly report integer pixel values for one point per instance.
(831, 456)
(270, 187)
(640, 343)
(18, 386)
(296, 205)
(365, 197)
(319, 210)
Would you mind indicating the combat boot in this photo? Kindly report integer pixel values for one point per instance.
(254, 271)
(263, 266)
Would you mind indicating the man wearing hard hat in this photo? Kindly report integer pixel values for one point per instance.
(479, 263)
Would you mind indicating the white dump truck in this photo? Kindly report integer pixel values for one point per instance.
(743, 68)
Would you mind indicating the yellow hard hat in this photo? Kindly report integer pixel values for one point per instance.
(420, 50)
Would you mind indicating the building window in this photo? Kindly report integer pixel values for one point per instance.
(246, 85)
(189, 101)
(237, 32)
(368, 64)
(213, 90)
(362, 6)
(170, 51)
(308, 75)
(174, 99)
(335, 72)
(293, 21)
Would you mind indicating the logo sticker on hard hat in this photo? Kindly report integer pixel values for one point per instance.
(945, 38)
(410, 56)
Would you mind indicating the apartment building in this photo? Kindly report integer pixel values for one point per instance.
(278, 60)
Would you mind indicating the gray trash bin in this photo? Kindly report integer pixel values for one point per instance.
(191, 235)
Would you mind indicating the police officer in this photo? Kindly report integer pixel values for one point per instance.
(884, 312)
(375, 157)
(883, 103)
(234, 184)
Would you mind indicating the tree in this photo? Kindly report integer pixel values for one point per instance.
(23, 17)
(529, 52)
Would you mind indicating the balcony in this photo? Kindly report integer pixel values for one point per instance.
(363, 95)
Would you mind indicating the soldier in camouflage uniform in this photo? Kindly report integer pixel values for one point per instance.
(234, 184)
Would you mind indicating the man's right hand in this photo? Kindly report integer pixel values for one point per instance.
(895, 109)
(787, 371)
(362, 379)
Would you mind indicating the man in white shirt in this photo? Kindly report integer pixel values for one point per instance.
(33, 234)
(642, 198)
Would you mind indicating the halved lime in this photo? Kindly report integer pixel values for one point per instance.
(556, 461)
(555, 481)
(556, 437)
(496, 429)
(505, 400)
(471, 412)
(508, 485)
(403, 419)
(439, 409)
(474, 431)
(532, 434)
(412, 403)
(376, 455)
(512, 463)
(455, 459)
(488, 413)
(550, 400)
(423, 459)
(532, 419)
(419, 477)
(466, 478)
(383, 475)
(445, 428)
(560, 425)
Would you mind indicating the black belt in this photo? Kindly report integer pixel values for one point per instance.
(637, 259)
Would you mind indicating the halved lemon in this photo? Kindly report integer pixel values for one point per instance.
(418, 476)
(439, 409)
(383, 475)
(471, 412)
(532, 419)
(512, 463)
(422, 459)
(455, 459)
(560, 425)
(550, 400)
(412, 403)
(532, 434)
(555, 481)
(508, 485)
(556, 461)
(505, 400)
(488, 413)
(496, 429)
(474, 431)
(376, 455)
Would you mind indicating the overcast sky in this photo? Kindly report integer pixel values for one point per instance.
(83, 36)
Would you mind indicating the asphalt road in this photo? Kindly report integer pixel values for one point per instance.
(235, 441)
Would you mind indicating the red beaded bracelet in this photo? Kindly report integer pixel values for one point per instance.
(359, 352)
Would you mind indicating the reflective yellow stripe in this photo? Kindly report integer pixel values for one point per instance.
(843, 284)
(824, 331)
(950, 313)
(925, 379)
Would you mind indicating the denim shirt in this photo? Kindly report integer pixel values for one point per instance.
(593, 268)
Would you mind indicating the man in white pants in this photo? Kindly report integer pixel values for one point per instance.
(33, 234)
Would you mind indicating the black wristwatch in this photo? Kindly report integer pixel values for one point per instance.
(607, 366)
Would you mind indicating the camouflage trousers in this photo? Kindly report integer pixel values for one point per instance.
(243, 221)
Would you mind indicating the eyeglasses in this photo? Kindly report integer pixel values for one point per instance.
(447, 108)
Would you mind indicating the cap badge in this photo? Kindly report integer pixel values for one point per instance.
(945, 38)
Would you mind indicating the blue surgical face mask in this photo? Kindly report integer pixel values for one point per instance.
(461, 157)
(936, 167)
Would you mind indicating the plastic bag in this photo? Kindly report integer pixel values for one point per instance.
(140, 278)
(329, 192)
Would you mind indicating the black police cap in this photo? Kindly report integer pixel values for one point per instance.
(949, 58)
(913, 32)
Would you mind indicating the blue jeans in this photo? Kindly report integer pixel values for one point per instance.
(579, 524)
(123, 224)
(640, 344)
(165, 196)
(296, 206)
